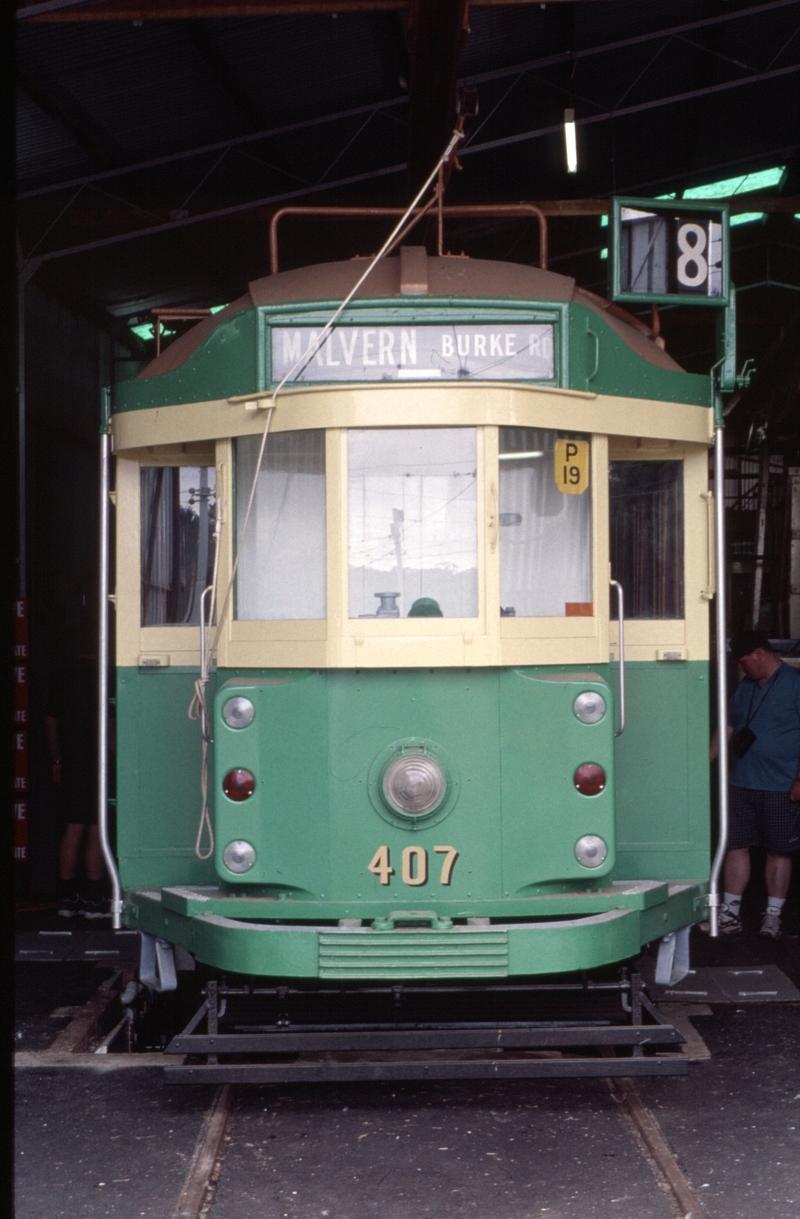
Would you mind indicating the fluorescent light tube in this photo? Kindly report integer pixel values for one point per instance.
(570, 141)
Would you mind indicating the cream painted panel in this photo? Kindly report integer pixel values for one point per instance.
(278, 654)
(180, 643)
(554, 652)
(488, 403)
(226, 556)
(128, 590)
(255, 631)
(489, 533)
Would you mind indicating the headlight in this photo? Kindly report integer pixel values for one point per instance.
(238, 712)
(591, 851)
(589, 707)
(414, 784)
(239, 856)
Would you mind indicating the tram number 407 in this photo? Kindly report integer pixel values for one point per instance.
(414, 866)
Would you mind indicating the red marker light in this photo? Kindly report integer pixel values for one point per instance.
(238, 784)
(590, 779)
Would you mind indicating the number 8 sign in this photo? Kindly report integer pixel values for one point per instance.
(669, 252)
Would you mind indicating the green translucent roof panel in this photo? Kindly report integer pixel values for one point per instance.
(746, 218)
(763, 179)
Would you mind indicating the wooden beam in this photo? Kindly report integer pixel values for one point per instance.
(172, 10)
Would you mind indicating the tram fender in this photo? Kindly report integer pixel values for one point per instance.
(566, 945)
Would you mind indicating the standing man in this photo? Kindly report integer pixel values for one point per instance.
(764, 734)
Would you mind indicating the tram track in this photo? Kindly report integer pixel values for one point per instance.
(659, 1154)
(197, 1196)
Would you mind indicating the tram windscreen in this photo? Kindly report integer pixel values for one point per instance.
(177, 554)
(646, 517)
(282, 570)
(412, 523)
(545, 531)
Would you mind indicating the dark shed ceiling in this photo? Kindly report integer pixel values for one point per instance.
(155, 139)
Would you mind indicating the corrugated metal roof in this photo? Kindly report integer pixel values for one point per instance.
(116, 93)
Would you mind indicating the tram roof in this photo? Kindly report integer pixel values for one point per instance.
(448, 277)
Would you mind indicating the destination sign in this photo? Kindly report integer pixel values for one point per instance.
(499, 352)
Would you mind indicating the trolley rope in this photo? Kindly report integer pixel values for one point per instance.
(198, 708)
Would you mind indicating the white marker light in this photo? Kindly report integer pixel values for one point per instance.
(570, 141)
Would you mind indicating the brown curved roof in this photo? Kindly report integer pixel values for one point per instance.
(453, 277)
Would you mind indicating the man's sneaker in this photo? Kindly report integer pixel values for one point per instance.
(70, 906)
(728, 923)
(99, 909)
(771, 923)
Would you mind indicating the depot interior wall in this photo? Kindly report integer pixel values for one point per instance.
(67, 361)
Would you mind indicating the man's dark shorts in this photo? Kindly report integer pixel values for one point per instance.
(767, 819)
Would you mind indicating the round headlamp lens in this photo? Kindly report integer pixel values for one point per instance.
(238, 712)
(589, 707)
(591, 851)
(414, 784)
(239, 856)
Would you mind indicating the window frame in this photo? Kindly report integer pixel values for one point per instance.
(137, 645)
(487, 639)
(422, 642)
(646, 637)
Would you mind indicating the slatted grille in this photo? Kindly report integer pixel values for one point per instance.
(413, 954)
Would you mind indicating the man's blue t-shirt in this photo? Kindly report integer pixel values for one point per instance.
(772, 711)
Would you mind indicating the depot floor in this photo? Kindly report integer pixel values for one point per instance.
(100, 1140)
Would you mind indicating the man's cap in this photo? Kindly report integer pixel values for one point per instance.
(747, 641)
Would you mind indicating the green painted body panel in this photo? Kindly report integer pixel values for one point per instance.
(663, 772)
(158, 779)
(504, 950)
(233, 359)
(601, 361)
(510, 743)
(225, 363)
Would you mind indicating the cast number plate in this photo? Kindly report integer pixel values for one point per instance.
(414, 865)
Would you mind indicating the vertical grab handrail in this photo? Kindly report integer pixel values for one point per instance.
(203, 658)
(102, 690)
(722, 683)
(621, 619)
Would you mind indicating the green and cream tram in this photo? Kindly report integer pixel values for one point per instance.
(426, 754)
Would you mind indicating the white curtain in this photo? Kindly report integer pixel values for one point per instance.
(282, 572)
(545, 535)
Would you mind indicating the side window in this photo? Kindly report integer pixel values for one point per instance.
(646, 518)
(545, 531)
(177, 523)
(282, 571)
